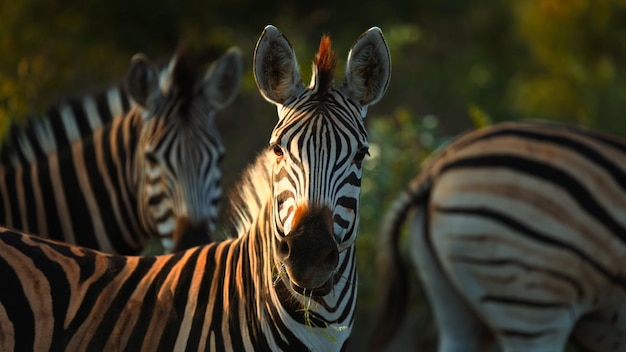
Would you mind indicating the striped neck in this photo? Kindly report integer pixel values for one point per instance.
(318, 323)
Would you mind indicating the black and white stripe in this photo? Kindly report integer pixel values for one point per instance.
(246, 293)
(61, 125)
(151, 173)
(519, 235)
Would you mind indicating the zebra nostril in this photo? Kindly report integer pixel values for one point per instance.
(283, 248)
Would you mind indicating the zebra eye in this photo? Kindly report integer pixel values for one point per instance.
(360, 155)
(278, 151)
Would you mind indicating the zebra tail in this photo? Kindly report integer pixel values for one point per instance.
(392, 273)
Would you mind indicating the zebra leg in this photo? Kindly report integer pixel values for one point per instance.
(460, 329)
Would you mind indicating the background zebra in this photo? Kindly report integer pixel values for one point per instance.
(287, 283)
(152, 173)
(519, 235)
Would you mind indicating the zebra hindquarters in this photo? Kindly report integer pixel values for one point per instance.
(460, 329)
(508, 258)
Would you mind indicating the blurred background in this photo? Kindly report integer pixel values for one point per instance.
(457, 65)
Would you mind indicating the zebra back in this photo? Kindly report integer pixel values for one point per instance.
(61, 125)
(519, 227)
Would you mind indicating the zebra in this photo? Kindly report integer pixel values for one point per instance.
(152, 173)
(287, 283)
(518, 235)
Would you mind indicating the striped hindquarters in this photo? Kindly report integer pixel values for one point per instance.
(528, 221)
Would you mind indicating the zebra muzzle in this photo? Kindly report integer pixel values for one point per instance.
(309, 252)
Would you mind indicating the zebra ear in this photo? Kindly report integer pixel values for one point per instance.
(368, 69)
(142, 80)
(223, 79)
(275, 67)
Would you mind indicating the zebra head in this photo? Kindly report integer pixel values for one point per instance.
(317, 149)
(179, 148)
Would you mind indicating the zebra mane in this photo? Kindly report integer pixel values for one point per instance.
(324, 66)
(247, 196)
(185, 74)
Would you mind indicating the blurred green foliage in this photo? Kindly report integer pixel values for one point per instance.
(456, 65)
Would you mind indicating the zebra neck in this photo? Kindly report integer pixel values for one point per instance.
(317, 323)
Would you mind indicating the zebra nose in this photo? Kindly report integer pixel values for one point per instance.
(309, 252)
(189, 234)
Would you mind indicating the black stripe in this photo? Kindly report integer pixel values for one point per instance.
(526, 334)
(58, 129)
(100, 194)
(195, 334)
(81, 221)
(29, 200)
(341, 222)
(112, 166)
(14, 300)
(347, 202)
(115, 264)
(218, 311)
(103, 108)
(580, 148)
(280, 331)
(53, 219)
(112, 315)
(234, 315)
(75, 199)
(549, 174)
(80, 117)
(124, 99)
(511, 301)
(3, 196)
(57, 278)
(12, 193)
(150, 306)
(128, 131)
(180, 301)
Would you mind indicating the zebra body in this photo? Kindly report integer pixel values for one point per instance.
(518, 234)
(151, 173)
(265, 288)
